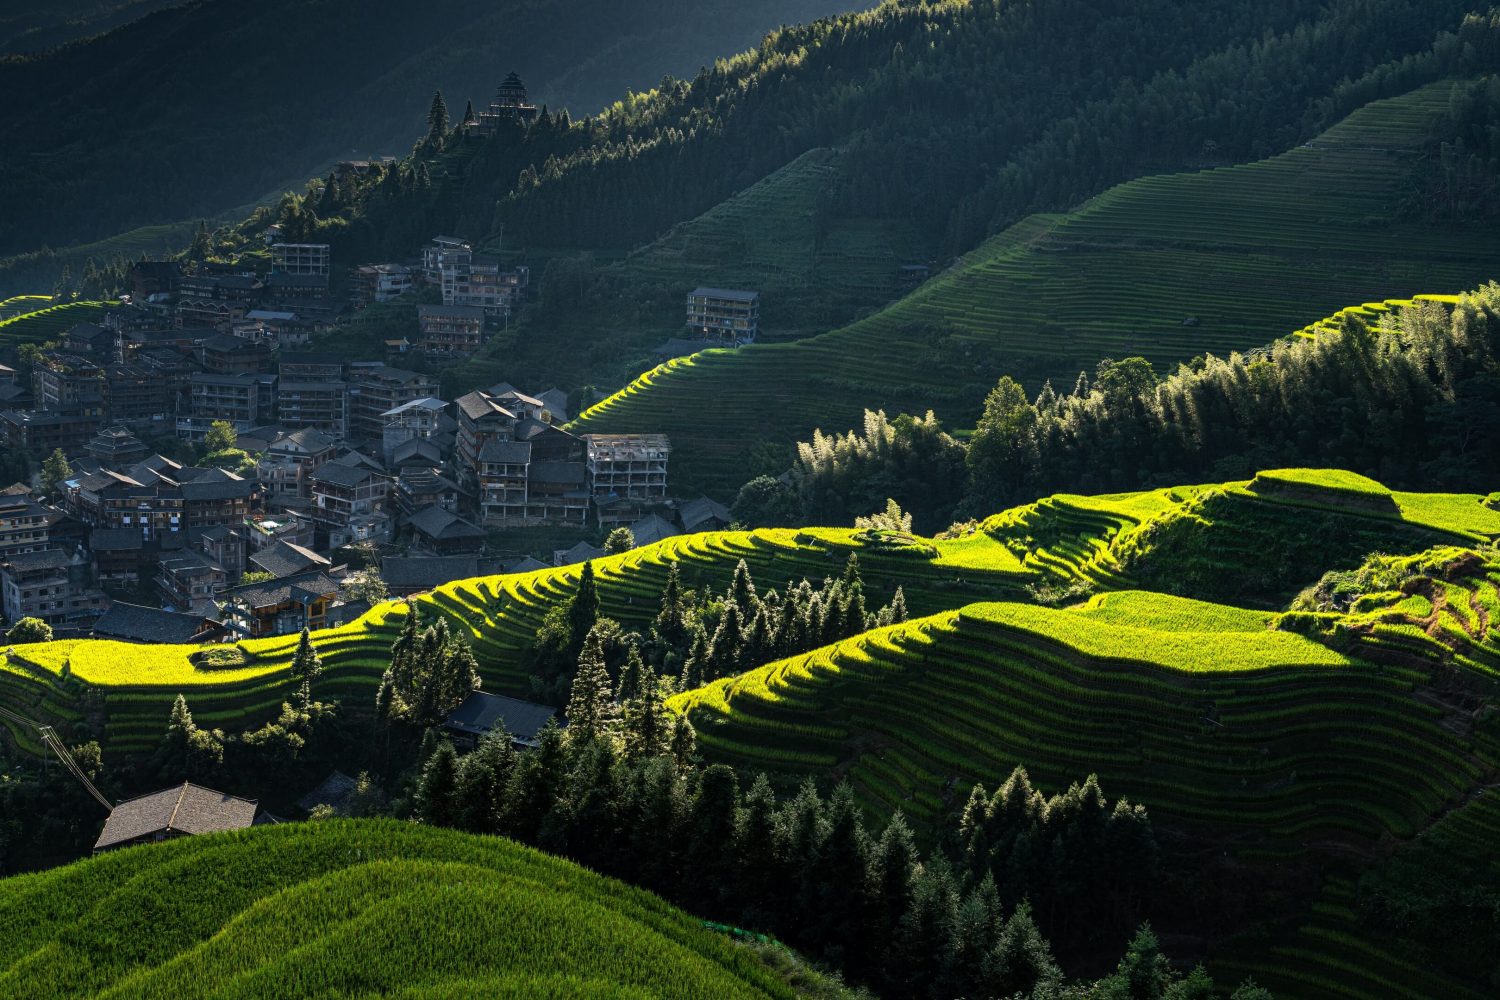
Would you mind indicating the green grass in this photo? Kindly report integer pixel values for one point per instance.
(1244, 251)
(352, 907)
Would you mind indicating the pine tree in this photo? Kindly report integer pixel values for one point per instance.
(646, 727)
(437, 119)
(671, 622)
(695, 667)
(1021, 961)
(742, 591)
(898, 607)
(724, 652)
(631, 677)
(583, 609)
(481, 782)
(306, 665)
(710, 830)
(591, 709)
(851, 577)
(684, 743)
(436, 798)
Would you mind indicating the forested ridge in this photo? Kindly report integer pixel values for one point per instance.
(209, 105)
(960, 116)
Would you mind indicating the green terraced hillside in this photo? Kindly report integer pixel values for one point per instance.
(499, 614)
(45, 323)
(1207, 713)
(1228, 540)
(356, 908)
(1165, 267)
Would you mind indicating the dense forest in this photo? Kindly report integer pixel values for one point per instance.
(203, 107)
(960, 117)
(35, 25)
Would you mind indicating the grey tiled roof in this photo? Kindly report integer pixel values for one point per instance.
(142, 624)
(480, 713)
(187, 808)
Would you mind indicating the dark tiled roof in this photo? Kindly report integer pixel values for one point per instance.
(582, 552)
(227, 489)
(45, 559)
(116, 540)
(333, 791)
(506, 452)
(141, 624)
(426, 572)
(702, 511)
(732, 294)
(187, 808)
(527, 564)
(273, 592)
(652, 528)
(437, 523)
(342, 475)
(480, 713)
(283, 559)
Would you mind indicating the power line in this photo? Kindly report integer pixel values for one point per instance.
(52, 742)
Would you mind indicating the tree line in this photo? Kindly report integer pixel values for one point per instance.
(1411, 399)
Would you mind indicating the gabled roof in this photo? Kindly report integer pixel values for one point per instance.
(274, 592)
(477, 405)
(481, 713)
(582, 552)
(420, 451)
(425, 403)
(426, 572)
(116, 540)
(334, 790)
(526, 564)
(283, 559)
(443, 525)
(561, 473)
(652, 528)
(556, 402)
(135, 623)
(307, 439)
(701, 511)
(186, 808)
(343, 475)
(45, 559)
(213, 488)
(506, 452)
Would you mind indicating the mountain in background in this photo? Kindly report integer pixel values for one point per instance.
(37, 25)
(196, 109)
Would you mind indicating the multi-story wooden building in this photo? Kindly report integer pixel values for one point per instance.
(723, 315)
(453, 331)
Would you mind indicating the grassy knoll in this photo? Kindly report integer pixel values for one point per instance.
(1165, 267)
(355, 908)
(46, 323)
(499, 614)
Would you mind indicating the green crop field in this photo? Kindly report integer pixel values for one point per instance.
(1238, 547)
(499, 614)
(47, 322)
(356, 907)
(1165, 267)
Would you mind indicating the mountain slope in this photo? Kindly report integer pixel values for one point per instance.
(198, 108)
(1164, 267)
(355, 908)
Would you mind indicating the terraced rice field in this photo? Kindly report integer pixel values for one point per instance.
(46, 323)
(1217, 721)
(499, 614)
(356, 908)
(768, 237)
(1164, 267)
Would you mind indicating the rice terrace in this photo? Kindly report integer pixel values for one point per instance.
(906, 500)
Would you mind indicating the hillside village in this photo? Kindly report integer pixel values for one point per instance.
(210, 475)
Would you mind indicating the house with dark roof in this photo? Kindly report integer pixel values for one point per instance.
(406, 575)
(703, 514)
(481, 714)
(581, 553)
(526, 564)
(350, 503)
(291, 459)
(280, 607)
(652, 528)
(135, 623)
(443, 533)
(188, 578)
(181, 811)
(283, 559)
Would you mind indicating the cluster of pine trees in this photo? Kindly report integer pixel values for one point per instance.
(700, 636)
(808, 869)
(1413, 402)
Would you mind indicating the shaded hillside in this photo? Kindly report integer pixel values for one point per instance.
(356, 907)
(213, 104)
(1164, 267)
